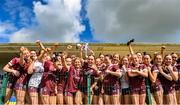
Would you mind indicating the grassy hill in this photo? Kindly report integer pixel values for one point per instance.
(9, 50)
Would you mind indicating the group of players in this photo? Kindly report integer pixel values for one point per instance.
(45, 77)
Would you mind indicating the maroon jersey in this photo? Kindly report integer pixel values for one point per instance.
(98, 87)
(76, 77)
(71, 85)
(167, 85)
(86, 70)
(60, 79)
(178, 82)
(137, 82)
(156, 86)
(14, 63)
(49, 78)
(111, 80)
(22, 78)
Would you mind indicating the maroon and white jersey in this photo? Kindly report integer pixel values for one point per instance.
(123, 80)
(111, 80)
(86, 70)
(137, 81)
(157, 83)
(61, 79)
(36, 77)
(49, 78)
(71, 82)
(15, 64)
(77, 76)
(167, 85)
(178, 82)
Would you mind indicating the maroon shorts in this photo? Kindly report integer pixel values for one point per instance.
(71, 94)
(11, 82)
(83, 89)
(138, 90)
(168, 90)
(155, 88)
(97, 92)
(46, 91)
(60, 89)
(111, 90)
(20, 86)
(10, 85)
(32, 89)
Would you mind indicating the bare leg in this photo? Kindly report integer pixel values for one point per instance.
(101, 100)
(8, 95)
(39, 99)
(52, 100)
(86, 99)
(135, 99)
(20, 96)
(178, 96)
(142, 98)
(107, 99)
(158, 96)
(169, 99)
(60, 99)
(69, 100)
(45, 99)
(174, 98)
(115, 99)
(78, 98)
(127, 99)
(95, 99)
(27, 98)
(34, 98)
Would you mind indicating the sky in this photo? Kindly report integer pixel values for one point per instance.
(99, 21)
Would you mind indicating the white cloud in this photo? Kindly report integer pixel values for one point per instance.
(144, 20)
(6, 27)
(2, 28)
(56, 21)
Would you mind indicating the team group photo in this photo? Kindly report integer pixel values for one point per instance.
(90, 52)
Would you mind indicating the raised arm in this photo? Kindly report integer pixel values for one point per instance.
(38, 42)
(162, 51)
(53, 48)
(21, 62)
(63, 58)
(130, 47)
(42, 52)
(91, 52)
(41, 56)
(80, 47)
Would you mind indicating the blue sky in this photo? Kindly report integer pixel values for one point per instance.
(14, 17)
(117, 21)
(87, 33)
(6, 15)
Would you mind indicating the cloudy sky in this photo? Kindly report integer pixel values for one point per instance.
(152, 21)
